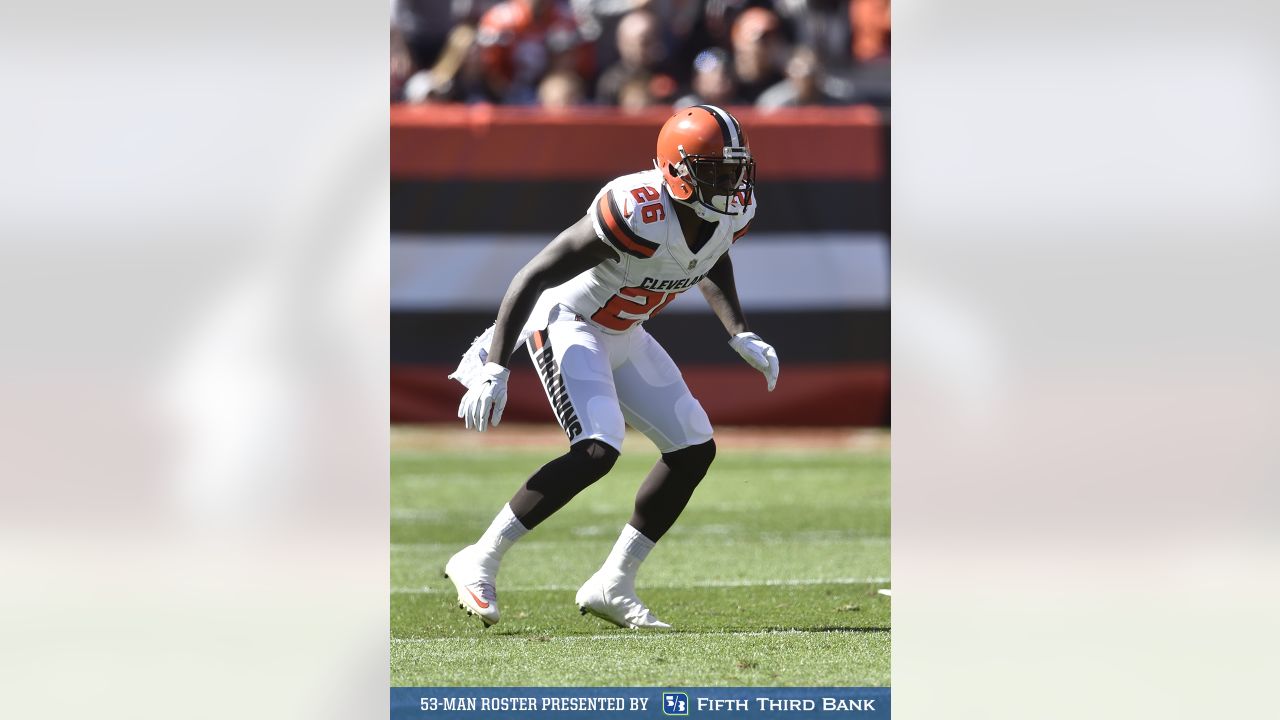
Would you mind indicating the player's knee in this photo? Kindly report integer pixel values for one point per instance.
(694, 459)
(596, 457)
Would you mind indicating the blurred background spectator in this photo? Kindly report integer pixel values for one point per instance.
(712, 80)
(521, 40)
(870, 22)
(401, 64)
(871, 25)
(822, 26)
(456, 76)
(638, 94)
(806, 84)
(759, 51)
(681, 23)
(422, 26)
(642, 62)
(561, 90)
(635, 54)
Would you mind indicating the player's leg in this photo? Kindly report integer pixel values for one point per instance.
(656, 401)
(573, 363)
(475, 567)
(669, 486)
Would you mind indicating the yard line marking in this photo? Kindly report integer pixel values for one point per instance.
(444, 589)
(621, 634)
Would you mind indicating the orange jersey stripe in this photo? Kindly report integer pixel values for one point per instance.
(616, 226)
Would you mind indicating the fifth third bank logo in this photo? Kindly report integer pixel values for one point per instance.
(675, 703)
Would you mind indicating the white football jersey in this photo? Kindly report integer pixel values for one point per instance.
(636, 216)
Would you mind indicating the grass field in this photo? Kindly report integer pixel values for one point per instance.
(769, 577)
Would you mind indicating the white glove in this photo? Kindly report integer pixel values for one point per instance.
(482, 406)
(758, 354)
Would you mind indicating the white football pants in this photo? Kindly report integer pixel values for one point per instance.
(596, 381)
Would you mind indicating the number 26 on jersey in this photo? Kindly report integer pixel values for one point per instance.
(637, 302)
(649, 204)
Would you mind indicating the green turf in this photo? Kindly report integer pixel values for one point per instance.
(769, 578)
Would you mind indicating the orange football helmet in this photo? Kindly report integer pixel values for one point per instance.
(705, 158)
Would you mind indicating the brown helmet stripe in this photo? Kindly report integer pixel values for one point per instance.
(727, 132)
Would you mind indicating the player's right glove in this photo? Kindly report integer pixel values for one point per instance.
(482, 405)
(758, 354)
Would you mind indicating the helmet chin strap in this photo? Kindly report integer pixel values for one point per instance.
(702, 211)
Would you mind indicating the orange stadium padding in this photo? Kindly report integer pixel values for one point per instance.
(484, 142)
(808, 394)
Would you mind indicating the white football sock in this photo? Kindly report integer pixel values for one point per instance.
(503, 532)
(627, 554)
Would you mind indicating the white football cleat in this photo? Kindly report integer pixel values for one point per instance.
(474, 581)
(614, 600)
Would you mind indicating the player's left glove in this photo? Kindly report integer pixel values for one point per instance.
(482, 405)
(758, 354)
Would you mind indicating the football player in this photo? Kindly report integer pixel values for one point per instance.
(580, 306)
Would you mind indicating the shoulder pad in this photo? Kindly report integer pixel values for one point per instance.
(629, 216)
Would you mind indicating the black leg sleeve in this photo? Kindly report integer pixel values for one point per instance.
(669, 486)
(555, 483)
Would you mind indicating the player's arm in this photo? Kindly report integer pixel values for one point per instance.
(721, 292)
(573, 251)
(576, 249)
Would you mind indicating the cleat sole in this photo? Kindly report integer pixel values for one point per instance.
(605, 618)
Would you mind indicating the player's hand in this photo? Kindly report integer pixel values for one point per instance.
(482, 406)
(758, 354)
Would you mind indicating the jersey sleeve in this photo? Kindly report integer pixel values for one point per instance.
(617, 223)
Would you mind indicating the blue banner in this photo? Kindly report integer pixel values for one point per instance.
(563, 703)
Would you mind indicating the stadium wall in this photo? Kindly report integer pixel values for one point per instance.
(476, 191)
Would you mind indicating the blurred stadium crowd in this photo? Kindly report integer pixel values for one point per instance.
(637, 54)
